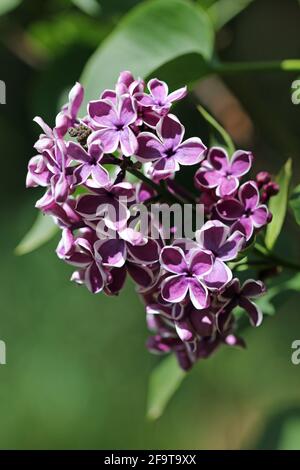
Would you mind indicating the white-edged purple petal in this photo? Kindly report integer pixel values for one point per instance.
(252, 288)
(171, 131)
(112, 252)
(159, 90)
(249, 195)
(103, 113)
(174, 288)
(260, 216)
(190, 151)
(219, 276)
(173, 260)
(149, 147)
(253, 311)
(76, 152)
(227, 186)
(94, 278)
(200, 263)
(241, 163)
(177, 95)
(218, 159)
(128, 142)
(198, 294)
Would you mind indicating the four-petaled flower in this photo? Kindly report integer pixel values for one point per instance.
(218, 172)
(90, 163)
(112, 123)
(224, 246)
(246, 213)
(235, 295)
(188, 272)
(168, 150)
(159, 99)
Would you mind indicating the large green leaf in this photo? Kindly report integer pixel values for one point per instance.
(164, 381)
(278, 205)
(222, 11)
(295, 203)
(42, 230)
(8, 5)
(152, 34)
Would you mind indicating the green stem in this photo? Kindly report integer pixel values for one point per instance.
(276, 259)
(288, 65)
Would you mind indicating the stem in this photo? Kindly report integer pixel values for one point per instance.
(288, 65)
(276, 259)
(159, 188)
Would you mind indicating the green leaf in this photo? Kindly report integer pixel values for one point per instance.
(222, 11)
(42, 230)
(295, 203)
(225, 137)
(90, 7)
(164, 381)
(278, 205)
(149, 36)
(8, 5)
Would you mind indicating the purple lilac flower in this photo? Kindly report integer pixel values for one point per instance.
(159, 99)
(217, 238)
(168, 150)
(236, 295)
(86, 257)
(90, 163)
(246, 211)
(68, 115)
(187, 276)
(186, 285)
(218, 172)
(112, 124)
(109, 203)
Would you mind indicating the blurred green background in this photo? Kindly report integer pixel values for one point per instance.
(77, 370)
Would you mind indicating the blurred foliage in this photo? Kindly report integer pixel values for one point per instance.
(278, 205)
(77, 370)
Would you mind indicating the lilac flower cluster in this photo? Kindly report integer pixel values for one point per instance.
(188, 287)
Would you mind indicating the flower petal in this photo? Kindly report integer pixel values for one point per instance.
(128, 142)
(218, 159)
(94, 278)
(103, 113)
(212, 235)
(207, 177)
(112, 252)
(147, 253)
(171, 131)
(127, 112)
(100, 175)
(219, 276)
(252, 288)
(253, 311)
(149, 147)
(173, 260)
(249, 195)
(229, 209)
(201, 262)
(260, 216)
(198, 294)
(177, 95)
(190, 151)
(174, 288)
(241, 163)
(141, 275)
(159, 91)
(227, 186)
